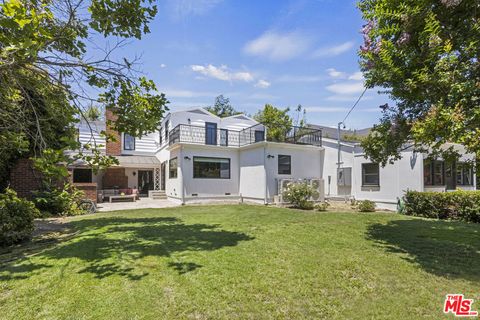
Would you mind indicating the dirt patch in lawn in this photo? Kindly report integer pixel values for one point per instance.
(47, 233)
(49, 227)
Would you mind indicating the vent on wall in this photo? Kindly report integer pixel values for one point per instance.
(194, 194)
(227, 193)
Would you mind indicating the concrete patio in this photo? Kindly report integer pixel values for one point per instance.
(142, 203)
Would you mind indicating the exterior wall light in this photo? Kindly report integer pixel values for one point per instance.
(270, 156)
(187, 158)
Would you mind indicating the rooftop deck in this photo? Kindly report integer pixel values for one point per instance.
(184, 133)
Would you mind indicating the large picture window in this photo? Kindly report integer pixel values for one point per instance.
(284, 164)
(82, 175)
(211, 168)
(128, 142)
(173, 168)
(464, 175)
(427, 172)
(438, 173)
(370, 174)
(433, 172)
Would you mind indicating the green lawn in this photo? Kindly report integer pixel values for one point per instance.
(248, 262)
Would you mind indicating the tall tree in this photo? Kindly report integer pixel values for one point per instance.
(222, 107)
(277, 121)
(426, 54)
(51, 69)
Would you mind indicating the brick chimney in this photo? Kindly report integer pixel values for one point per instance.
(113, 148)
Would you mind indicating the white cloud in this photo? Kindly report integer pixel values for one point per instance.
(278, 46)
(261, 96)
(262, 84)
(333, 50)
(335, 73)
(346, 87)
(183, 8)
(222, 73)
(356, 76)
(163, 65)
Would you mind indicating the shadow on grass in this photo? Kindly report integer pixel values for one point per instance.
(112, 246)
(443, 248)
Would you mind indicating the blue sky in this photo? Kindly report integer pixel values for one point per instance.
(255, 52)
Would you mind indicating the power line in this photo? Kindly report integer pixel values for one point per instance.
(354, 105)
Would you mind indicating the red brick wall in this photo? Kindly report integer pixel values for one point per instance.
(113, 148)
(24, 179)
(115, 177)
(89, 189)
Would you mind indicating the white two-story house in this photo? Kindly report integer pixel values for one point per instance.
(197, 156)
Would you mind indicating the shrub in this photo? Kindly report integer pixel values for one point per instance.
(16, 218)
(366, 206)
(299, 195)
(322, 206)
(59, 202)
(455, 205)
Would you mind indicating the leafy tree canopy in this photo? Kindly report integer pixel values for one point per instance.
(277, 121)
(93, 113)
(425, 53)
(51, 70)
(222, 107)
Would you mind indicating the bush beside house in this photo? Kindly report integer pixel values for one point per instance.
(59, 201)
(366, 206)
(299, 195)
(456, 205)
(16, 218)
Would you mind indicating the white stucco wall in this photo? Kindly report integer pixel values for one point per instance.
(173, 187)
(252, 173)
(405, 174)
(306, 161)
(330, 166)
(204, 187)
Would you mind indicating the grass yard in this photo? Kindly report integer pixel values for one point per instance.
(247, 262)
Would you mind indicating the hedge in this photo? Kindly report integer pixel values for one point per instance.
(455, 205)
(16, 218)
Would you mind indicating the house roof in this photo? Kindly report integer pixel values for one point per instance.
(330, 132)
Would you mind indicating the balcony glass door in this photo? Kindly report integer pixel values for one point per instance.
(210, 133)
(224, 137)
(145, 181)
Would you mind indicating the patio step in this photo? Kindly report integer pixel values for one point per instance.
(158, 195)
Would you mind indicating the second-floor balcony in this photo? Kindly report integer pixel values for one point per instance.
(210, 135)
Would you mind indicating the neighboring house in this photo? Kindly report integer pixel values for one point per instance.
(361, 179)
(197, 156)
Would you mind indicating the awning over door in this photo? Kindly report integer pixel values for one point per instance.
(138, 161)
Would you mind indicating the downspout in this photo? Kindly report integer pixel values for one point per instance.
(182, 184)
(265, 170)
